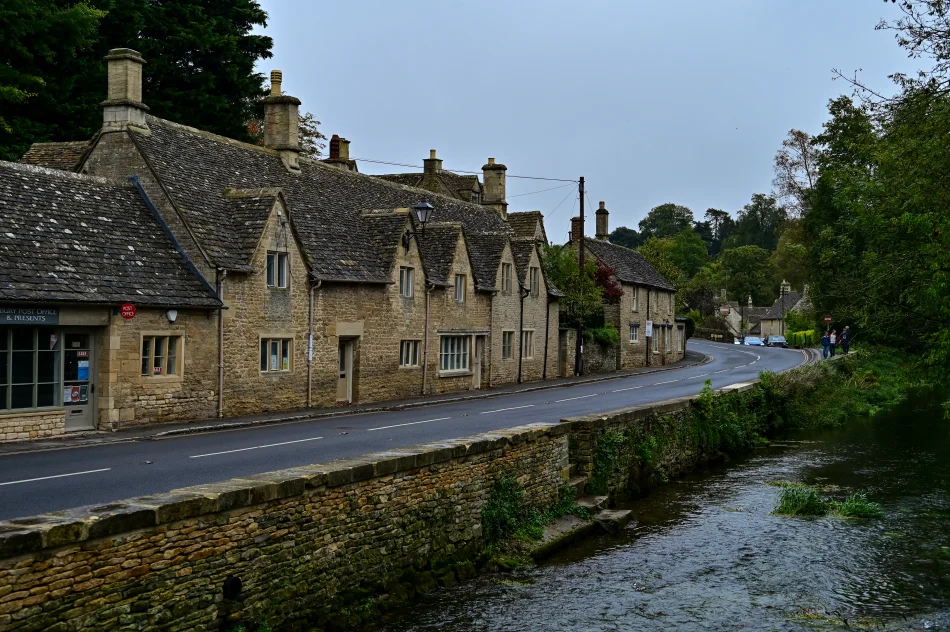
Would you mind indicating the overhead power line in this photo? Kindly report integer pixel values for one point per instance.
(570, 184)
(401, 164)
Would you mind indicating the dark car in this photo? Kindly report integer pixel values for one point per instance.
(776, 341)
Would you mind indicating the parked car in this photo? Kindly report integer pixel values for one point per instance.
(753, 340)
(776, 341)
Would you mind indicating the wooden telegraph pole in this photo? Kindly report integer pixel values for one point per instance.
(579, 346)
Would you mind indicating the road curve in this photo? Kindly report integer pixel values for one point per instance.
(38, 482)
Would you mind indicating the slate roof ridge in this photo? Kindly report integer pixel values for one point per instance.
(67, 175)
(253, 193)
(382, 212)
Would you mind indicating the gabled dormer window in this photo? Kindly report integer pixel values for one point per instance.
(277, 269)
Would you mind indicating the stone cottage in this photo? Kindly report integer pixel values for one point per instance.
(650, 332)
(772, 322)
(330, 287)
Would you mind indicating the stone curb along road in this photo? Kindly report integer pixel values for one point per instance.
(102, 438)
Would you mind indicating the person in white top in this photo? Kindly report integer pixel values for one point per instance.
(834, 342)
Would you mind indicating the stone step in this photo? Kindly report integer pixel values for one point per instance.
(612, 520)
(579, 483)
(560, 533)
(592, 503)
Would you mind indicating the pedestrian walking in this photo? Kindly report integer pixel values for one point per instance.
(832, 342)
(825, 342)
(846, 340)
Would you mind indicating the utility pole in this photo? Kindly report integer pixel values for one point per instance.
(579, 346)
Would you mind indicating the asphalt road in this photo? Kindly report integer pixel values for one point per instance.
(36, 482)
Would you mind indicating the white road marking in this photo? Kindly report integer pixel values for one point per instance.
(668, 382)
(45, 478)
(696, 377)
(501, 410)
(629, 388)
(411, 423)
(722, 371)
(256, 447)
(558, 401)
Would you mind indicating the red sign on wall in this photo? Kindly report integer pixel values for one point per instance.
(127, 311)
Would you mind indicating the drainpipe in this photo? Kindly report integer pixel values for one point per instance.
(547, 331)
(649, 340)
(491, 320)
(425, 341)
(220, 282)
(524, 293)
(313, 288)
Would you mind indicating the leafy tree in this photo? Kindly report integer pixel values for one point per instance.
(40, 40)
(200, 68)
(583, 298)
(747, 271)
(626, 237)
(700, 293)
(721, 225)
(665, 220)
(790, 258)
(688, 252)
(924, 31)
(610, 288)
(760, 223)
(796, 171)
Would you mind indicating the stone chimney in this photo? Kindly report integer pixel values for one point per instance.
(281, 121)
(432, 165)
(340, 154)
(576, 235)
(602, 214)
(493, 176)
(124, 106)
(785, 288)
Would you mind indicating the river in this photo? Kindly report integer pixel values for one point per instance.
(705, 552)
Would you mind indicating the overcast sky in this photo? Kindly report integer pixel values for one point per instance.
(680, 101)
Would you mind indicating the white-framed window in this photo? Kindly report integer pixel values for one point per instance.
(656, 341)
(534, 280)
(276, 355)
(453, 353)
(409, 353)
(160, 355)
(669, 340)
(680, 338)
(527, 344)
(633, 299)
(460, 288)
(507, 345)
(277, 269)
(506, 278)
(635, 332)
(406, 277)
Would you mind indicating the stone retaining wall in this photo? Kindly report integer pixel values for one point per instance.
(295, 538)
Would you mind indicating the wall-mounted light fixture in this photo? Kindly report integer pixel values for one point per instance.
(172, 315)
(422, 210)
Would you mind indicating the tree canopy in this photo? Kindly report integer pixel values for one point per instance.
(665, 220)
(200, 67)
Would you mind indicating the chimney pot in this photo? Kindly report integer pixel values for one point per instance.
(601, 204)
(432, 165)
(344, 149)
(491, 161)
(276, 77)
(334, 147)
(432, 154)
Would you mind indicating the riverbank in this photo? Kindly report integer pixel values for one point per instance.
(710, 553)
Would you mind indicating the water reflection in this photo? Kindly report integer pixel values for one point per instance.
(705, 553)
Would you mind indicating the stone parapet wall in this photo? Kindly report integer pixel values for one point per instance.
(32, 425)
(295, 538)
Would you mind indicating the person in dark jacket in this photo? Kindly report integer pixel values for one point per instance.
(846, 339)
(825, 343)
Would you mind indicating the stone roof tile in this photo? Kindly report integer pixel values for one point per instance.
(63, 156)
(68, 237)
(629, 265)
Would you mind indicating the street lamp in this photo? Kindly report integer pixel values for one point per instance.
(422, 211)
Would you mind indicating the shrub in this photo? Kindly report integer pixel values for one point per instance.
(605, 336)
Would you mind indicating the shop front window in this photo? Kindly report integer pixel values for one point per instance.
(29, 367)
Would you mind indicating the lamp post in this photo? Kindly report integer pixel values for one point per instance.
(422, 211)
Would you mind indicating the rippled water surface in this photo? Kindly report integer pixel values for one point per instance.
(705, 553)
